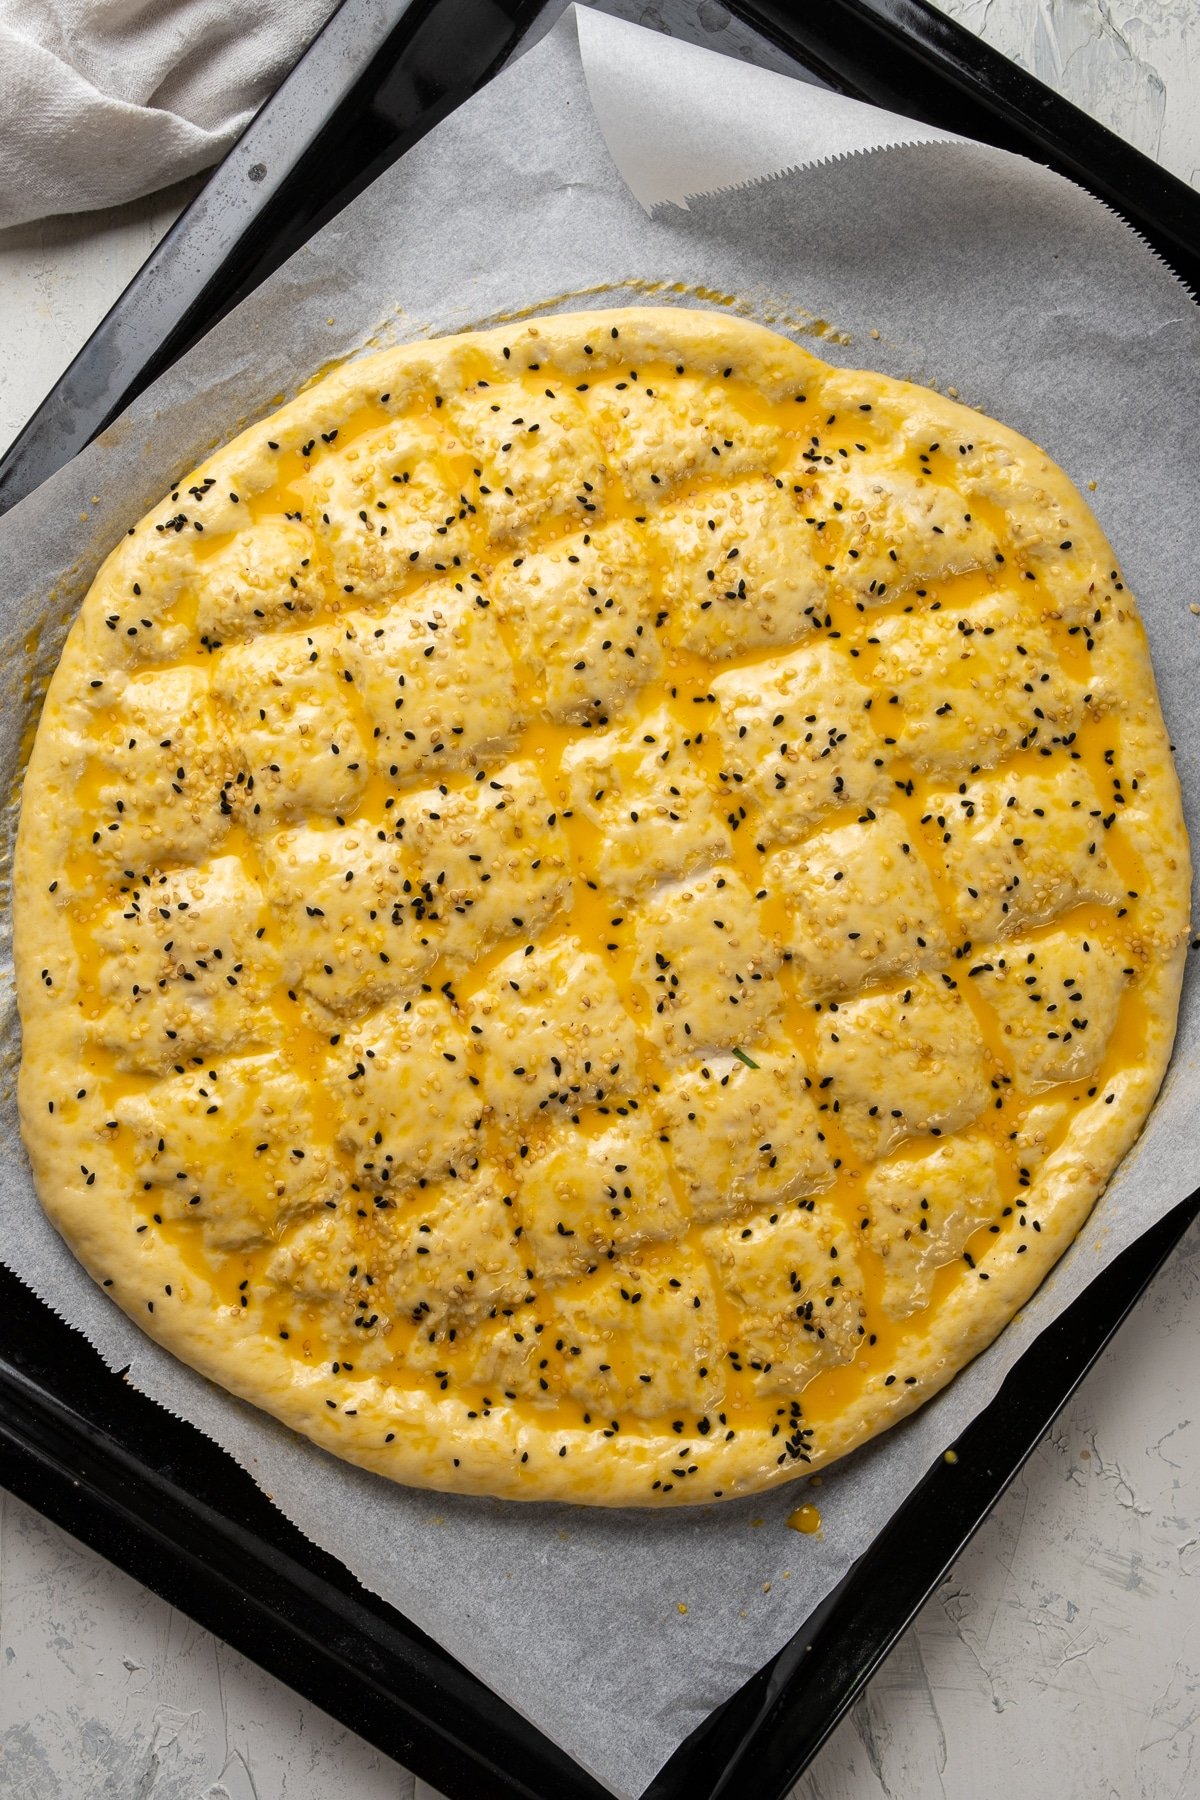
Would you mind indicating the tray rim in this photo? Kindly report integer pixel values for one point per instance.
(256, 1582)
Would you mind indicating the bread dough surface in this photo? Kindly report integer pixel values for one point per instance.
(593, 912)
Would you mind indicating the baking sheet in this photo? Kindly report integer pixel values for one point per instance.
(978, 271)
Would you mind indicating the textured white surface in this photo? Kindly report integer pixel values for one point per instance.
(1062, 1656)
(105, 1690)
(58, 278)
(1132, 64)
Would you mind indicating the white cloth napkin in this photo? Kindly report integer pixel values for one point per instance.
(103, 100)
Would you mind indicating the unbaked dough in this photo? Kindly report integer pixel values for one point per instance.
(595, 904)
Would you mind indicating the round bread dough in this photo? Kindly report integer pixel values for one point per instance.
(596, 902)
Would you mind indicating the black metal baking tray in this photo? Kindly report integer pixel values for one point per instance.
(152, 1493)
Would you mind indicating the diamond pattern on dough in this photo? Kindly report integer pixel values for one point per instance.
(795, 742)
(902, 1063)
(583, 894)
(860, 905)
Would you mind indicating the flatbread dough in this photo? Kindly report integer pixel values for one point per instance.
(595, 904)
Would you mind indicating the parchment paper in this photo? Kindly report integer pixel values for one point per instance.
(978, 271)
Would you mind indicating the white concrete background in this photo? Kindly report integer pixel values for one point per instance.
(1060, 1660)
